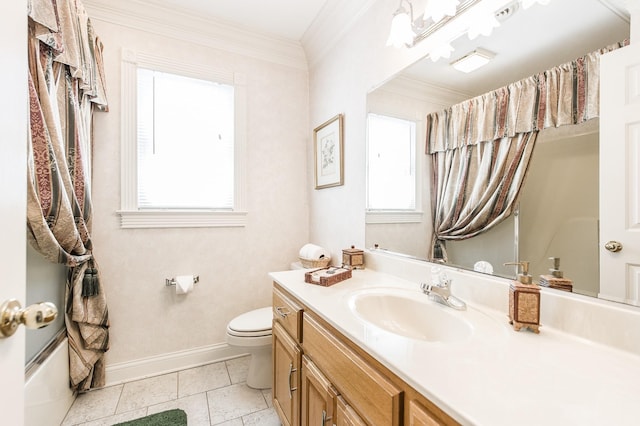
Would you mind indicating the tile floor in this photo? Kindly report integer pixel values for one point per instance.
(214, 394)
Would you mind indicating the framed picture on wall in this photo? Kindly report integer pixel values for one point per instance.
(328, 145)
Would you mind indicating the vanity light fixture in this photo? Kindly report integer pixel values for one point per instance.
(441, 50)
(473, 60)
(483, 23)
(526, 4)
(402, 33)
(438, 9)
(439, 16)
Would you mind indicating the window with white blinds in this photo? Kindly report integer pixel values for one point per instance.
(391, 164)
(185, 138)
(183, 150)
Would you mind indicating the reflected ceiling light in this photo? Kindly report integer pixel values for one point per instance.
(473, 60)
(438, 9)
(401, 33)
(528, 3)
(448, 20)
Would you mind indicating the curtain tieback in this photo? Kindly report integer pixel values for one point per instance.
(90, 283)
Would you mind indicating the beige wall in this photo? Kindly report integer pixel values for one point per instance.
(147, 318)
(340, 80)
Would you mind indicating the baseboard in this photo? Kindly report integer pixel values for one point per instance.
(167, 363)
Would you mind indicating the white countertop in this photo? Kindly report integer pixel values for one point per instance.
(497, 376)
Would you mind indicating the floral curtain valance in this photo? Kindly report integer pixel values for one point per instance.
(563, 95)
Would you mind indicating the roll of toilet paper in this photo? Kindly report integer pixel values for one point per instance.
(184, 284)
(312, 251)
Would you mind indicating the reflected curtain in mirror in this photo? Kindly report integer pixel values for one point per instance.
(475, 187)
(481, 148)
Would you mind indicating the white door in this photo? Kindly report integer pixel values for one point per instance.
(620, 175)
(13, 170)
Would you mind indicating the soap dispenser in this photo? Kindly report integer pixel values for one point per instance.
(555, 278)
(524, 300)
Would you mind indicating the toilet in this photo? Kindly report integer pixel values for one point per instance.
(251, 332)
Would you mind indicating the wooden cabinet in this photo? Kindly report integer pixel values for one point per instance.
(345, 415)
(286, 376)
(318, 396)
(288, 313)
(420, 416)
(322, 378)
(368, 391)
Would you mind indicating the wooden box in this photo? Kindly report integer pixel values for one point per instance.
(327, 276)
(353, 258)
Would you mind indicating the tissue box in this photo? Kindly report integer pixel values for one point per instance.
(327, 276)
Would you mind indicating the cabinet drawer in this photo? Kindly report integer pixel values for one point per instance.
(345, 416)
(372, 395)
(288, 314)
(420, 416)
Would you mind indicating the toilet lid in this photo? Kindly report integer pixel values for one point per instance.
(252, 323)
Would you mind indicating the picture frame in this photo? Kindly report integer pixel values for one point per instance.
(329, 153)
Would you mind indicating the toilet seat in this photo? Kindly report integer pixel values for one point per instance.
(256, 323)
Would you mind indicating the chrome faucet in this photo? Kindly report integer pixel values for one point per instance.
(441, 292)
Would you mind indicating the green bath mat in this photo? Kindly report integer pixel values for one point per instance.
(165, 418)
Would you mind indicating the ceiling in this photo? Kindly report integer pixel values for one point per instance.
(528, 42)
(282, 18)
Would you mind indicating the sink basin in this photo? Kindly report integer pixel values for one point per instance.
(410, 314)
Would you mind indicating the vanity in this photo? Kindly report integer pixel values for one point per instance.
(375, 350)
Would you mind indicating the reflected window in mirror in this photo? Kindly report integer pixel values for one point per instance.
(391, 164)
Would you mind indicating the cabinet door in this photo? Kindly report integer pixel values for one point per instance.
(318, 396)
(372, 394)
(345, 415)
(420, 416)
(286, 377)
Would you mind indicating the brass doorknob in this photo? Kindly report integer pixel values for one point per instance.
(37, 315)
(613, 246)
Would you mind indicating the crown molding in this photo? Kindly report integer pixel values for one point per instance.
(209, 32)
(421, 90)
(622, 8)
(332, 23)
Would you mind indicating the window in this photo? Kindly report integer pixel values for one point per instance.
(183, 144)
(391, 169)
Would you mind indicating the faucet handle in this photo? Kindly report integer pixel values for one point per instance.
(445, 281)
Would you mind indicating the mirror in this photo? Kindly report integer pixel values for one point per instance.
(558, 214)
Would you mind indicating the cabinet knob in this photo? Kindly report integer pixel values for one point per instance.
(283, 312)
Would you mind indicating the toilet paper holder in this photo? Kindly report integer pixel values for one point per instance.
(172, 281)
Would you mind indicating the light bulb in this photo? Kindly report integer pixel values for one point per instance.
(438, 9)
(526, 4)
(441, 50)
(483, 24)
(401, 33)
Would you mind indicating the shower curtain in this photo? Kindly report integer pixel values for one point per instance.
(480, 149)
(66, 85)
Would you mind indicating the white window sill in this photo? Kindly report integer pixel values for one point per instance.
(181, 219)
(393, 217)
